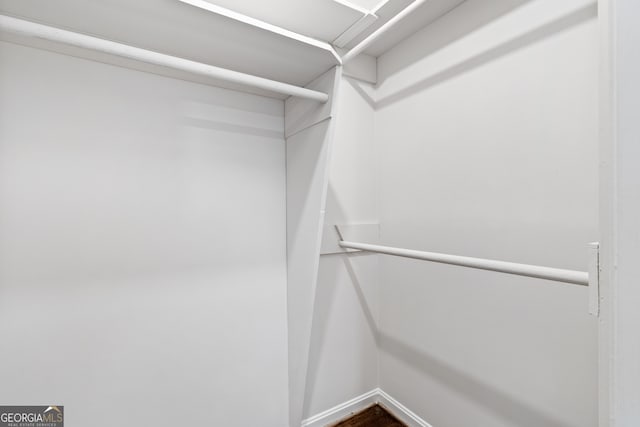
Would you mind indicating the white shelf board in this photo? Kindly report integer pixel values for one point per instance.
(321, 19)
(421, 17)
(178, 29)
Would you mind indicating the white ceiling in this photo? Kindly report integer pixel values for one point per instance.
(176, 28)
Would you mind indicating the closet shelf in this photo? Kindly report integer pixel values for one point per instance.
(173, 28)
(380, 32)
(30, 29)
(220, 39)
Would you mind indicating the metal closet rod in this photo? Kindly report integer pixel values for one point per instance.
(31, 29)
(547, 273)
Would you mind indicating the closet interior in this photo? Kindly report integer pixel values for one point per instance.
(219, 212)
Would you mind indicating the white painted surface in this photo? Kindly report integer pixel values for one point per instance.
(322, 19)
(355, 30)
(606, 213)
(332, 235)
(405, 414)
(326, 20)
(179, 29)
(594, 278)
(300, 114)
(142, 259)
(380, 32)
(487, 130)
(343, 362)
(249, 20)
(364, 5)
(308, 154)
(359, 403)
(30, 29)
(343, 359)
(423, 16)
(620, 208)
(343, 410)
(540, 272)
(363, 67)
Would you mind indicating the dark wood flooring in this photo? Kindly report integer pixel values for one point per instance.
(373, 416)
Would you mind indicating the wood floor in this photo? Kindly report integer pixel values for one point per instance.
(373, 416)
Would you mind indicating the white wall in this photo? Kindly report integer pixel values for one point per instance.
(620, 208)
(343, 359)
(309, 128)
(487, 134)
(142, 258)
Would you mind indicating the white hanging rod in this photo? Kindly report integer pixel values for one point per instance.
(547, 273)
(357, 49)
(32, 29)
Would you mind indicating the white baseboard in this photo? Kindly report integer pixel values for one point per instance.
(343, 410)
(399, 410)
(361, 402)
